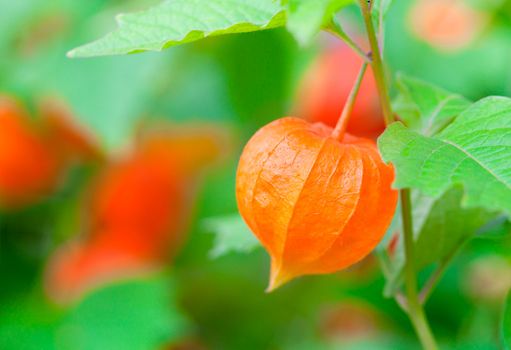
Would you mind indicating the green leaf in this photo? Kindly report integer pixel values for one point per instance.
(475, 151)
(231, 235)
(175, 22)
(426, 108)
(441, 226)
(447, 226)
(506, 323)
(306, 17)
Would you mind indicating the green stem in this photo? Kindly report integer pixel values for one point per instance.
(435, 277)
(376, 63)
(415, 310)
(342, 123)
(383, 262)
(432, 282)
(414, 307)
(336, 29)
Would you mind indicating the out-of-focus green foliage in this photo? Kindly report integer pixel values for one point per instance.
(240, 81)
(134, 314)
(35, 64)
(506, 322)
(474, 72)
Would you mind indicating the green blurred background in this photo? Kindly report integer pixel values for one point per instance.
(240, 82)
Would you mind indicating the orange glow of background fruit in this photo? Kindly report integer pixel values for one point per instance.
(29, 167)
(141, 193)
(80, 266)
(317, 204)
(326, 87)
(448, 25)
(139, 208)
(35, 154)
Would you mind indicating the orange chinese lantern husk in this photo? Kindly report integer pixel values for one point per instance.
(316, 204)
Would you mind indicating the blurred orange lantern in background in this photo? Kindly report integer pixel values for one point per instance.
(327, 85)
(139, 208)
(87, 263)
(447, 25)
(350, 320)
(34, 154)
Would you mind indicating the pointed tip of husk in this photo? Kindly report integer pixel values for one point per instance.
(278, 277)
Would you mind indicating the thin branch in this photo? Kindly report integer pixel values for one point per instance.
(336, 29)
(436, 276)
(340, 127)
(384, 261)
(401, 301)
